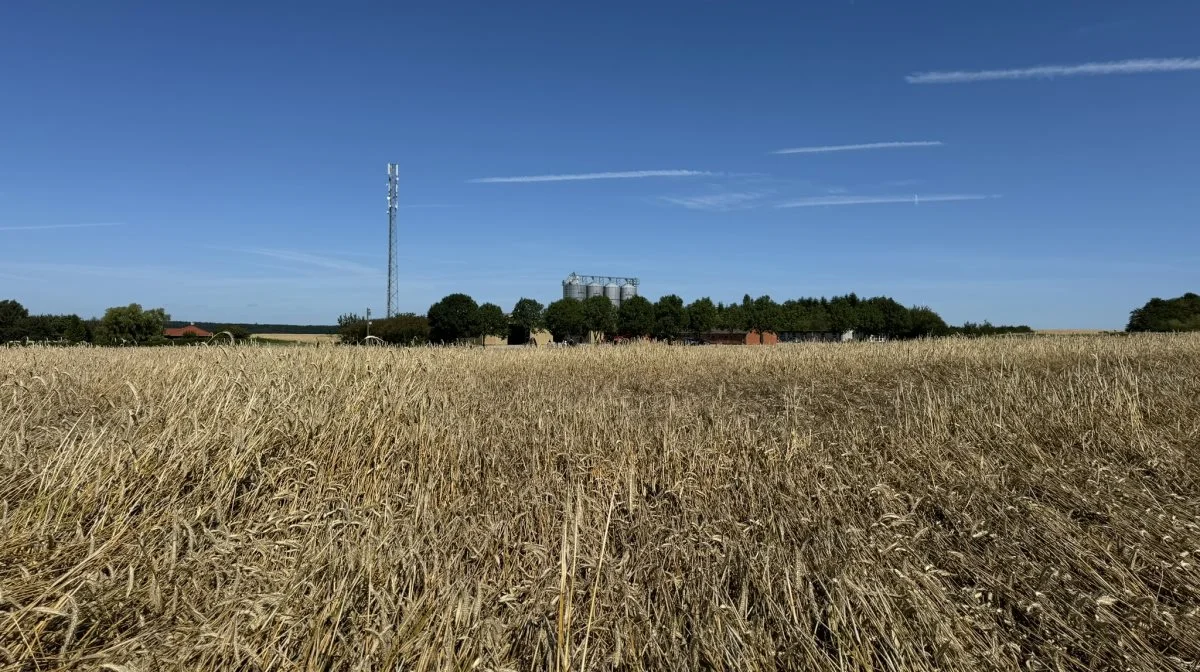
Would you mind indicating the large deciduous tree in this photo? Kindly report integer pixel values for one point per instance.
(492, 321)
(636, 317)
(527, 317)
(701, 316)
(131, 325)
(12, 313)
(670, 318)
(454, 317)
(764, 314)
(599, 316)
(565, 320)
(924, 323)
(527, 314)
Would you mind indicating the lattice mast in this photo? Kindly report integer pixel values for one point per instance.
(393, 190)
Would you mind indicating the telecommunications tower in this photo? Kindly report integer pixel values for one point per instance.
(392, 290)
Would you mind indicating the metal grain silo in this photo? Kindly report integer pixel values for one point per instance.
(613, 293)
(572, 288)
(595, 289)
(628, 291)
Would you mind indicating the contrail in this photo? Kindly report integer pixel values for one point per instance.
(591, 176)
(1130, 67)
(850, 148)
(58, 226)
(817, 201)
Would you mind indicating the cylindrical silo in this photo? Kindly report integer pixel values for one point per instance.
(613, 293)
(628, 291)
(595, 289)
(573, 289)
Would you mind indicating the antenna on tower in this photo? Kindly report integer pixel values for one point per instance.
(393, 187)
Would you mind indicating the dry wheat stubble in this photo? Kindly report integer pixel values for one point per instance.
(955, 504)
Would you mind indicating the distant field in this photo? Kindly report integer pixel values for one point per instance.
(1072, 332)
(299, 338)
(957, 504)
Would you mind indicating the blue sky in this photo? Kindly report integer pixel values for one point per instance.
(228, 162)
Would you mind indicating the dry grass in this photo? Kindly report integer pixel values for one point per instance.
(966, 505)
(307, 339)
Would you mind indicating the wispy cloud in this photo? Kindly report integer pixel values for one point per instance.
(46, 227)
(628, 174)
(1130, 67)
(218, 276)
(817, 201)
(716, 202)
(116, 272)
(858, 147)
(314, 260)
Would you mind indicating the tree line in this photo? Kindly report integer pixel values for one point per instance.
(256, 328)
(120, 325)
(1181, 313)
(457, 317)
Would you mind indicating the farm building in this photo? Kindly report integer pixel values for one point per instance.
(537, 338)
(728, 337)
(189, 330)
(817, 336)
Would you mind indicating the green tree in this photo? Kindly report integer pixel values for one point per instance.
(764, 314)
(670, 318)
(701, 316)
(402, 329)
(239, 332)
(1179, 314)
(599, 315)
(527, 317)
(897, 320)
(352, 327)
(803, 315)
(527, 314)
(842, 314)
(868, 318)
(565, 320)
(12, 313)
(731, 317)
(75, 330)
(131, 325)
(923, 323)
(454, 317)
(38, 328)
(492, 321)
(635, 317)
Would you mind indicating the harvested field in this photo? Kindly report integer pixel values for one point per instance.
(306, 339)
(1009, 504)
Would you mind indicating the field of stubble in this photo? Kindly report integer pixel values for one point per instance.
(955, 505)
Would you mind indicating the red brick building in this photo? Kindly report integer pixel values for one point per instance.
(741, 338)
(189, 330)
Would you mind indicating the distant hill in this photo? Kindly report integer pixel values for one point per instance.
(262, 328)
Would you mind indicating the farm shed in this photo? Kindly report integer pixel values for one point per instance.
(728, 337)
